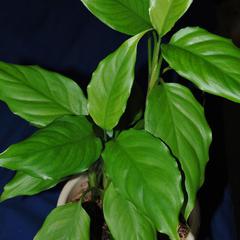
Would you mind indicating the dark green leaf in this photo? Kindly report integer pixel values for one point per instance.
(65, 147)
(164, 14)
(68, 222)
(173, 114)
(209, 61)
(139, 125)
(126, 16)
(111, 84)
(123, 218)
(25, 185)
(143, 170)
(39, 96)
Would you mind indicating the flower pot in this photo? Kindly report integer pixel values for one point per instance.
(190, 237)
(74, 188)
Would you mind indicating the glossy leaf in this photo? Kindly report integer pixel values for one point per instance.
(123, 218)
(209, 61)
(39, 96)
(173, 114)
(126, 16)
(143, 170)
(164, 14)
(69, 221)
(111, 84)
(25, 185)
(67, 146)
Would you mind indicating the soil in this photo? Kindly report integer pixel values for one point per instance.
(183, 231)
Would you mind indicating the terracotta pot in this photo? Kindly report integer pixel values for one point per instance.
(74, 188)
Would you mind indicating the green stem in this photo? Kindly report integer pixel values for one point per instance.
(105, 136)
(166, 70)
(155, 38)
(105, 181)
(156, 64)
(92, 179)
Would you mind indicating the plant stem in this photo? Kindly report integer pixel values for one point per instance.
(166, 70)
(155, 63)
(155, 38)
(92, 179)
(105, 136)
(105, 181)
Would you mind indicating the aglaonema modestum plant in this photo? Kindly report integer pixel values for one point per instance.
(146, 177)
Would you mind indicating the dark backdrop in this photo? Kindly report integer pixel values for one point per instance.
(63, 36)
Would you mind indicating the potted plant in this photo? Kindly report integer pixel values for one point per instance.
(145, 177)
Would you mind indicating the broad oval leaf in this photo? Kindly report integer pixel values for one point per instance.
(173, 114)
(209, 61)
(143, 170)
(164, 14)
(65, 147)
(69, 221)
(111, 84)
(25, 185)
(123, 218)
(39, 96)
(126, 16)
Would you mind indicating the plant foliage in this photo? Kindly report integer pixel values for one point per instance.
(148, 173)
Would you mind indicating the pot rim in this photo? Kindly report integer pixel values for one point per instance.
(70, 184)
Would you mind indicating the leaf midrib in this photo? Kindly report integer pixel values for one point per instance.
(51, 148)
(205, 60)
(106, 110)
(136, 13)
(172, 118)
(178, 154)
(135, 166)
(76, 214)
(31, 87)
(166, 16)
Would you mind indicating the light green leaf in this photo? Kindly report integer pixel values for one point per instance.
(123, 218)
(111, 84)
(68, 222)
(209, 61)
(173, 114)
(39, 96)
(65, 147)
(25, 185)
(126, 16)
(143, 170)
(164, 14)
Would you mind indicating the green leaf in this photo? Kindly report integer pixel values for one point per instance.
(25, 185)
(139, 125)
(126, 16)
(65, 147)
(68, 222)
(123, 218)
(173, 114)
(143, 170)
(39, 96)
(164, 14)
(111, 84)
(209, 61)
